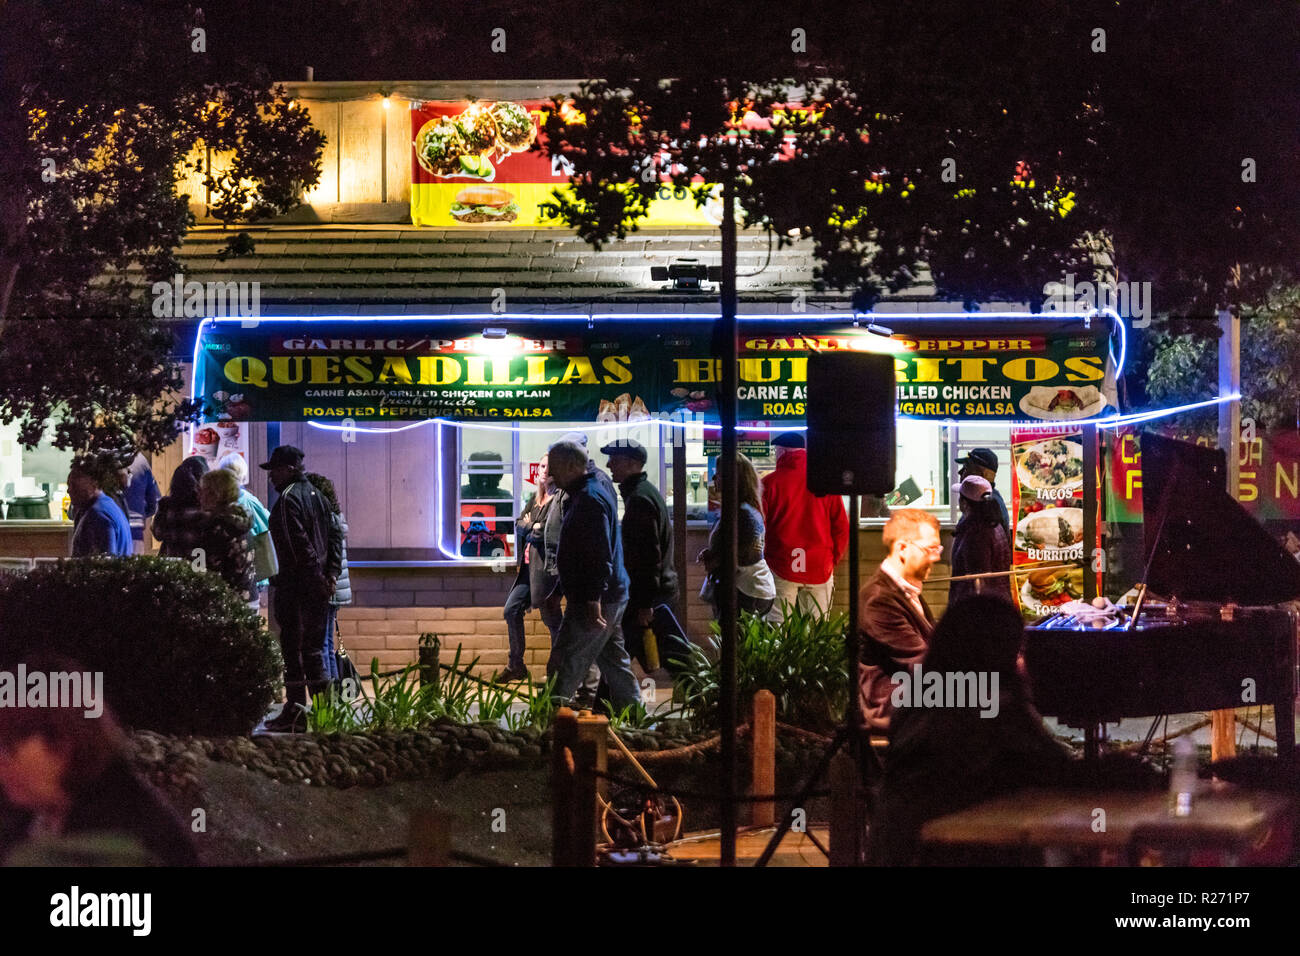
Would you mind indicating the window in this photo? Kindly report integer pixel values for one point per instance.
(33, 482)
(488, 495)
(997, 438)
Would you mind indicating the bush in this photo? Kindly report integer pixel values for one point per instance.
(802, 661)
(180, 652)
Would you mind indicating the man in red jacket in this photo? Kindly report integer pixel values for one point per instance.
(807, 534)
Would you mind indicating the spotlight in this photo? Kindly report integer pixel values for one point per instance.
(686, 274)
(494, 333)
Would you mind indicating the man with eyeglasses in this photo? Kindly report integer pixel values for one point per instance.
(896, 622)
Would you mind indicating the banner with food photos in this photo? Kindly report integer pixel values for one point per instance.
(473, 165)
(1047, 519)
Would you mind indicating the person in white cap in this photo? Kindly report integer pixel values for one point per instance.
(979, 543)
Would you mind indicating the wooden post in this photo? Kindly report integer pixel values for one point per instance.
(430, 838)
(763, 739)
(429, 663)
(846, 816)
(1223, 743)
(591, 756)
(563, 786)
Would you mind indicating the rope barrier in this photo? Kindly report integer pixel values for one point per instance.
(644, 787)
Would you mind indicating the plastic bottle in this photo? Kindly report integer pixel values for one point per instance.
(651, 649)
(1182, 777)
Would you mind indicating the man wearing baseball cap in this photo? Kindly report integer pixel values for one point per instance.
(300, 529)
(983, 462)
(647, 531)
(807, 534)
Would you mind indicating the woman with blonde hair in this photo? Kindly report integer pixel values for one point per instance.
(226, 535)
(755, 588)
(236, 465)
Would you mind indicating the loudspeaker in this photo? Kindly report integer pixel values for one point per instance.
(851, 408)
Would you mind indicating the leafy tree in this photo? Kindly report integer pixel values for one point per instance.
(1183, 364)
(100, 112)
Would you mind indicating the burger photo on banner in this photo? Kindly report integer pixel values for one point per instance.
(1047, 520)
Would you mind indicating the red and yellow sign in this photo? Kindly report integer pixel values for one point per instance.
(1269, 474)
(472, 164)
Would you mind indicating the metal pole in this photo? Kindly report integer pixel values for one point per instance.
(1223, 743)
(1089, 509)
(725, 348)
(853, 714)
(679, 526)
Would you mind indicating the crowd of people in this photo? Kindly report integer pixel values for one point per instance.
(601, 584)
(210, 519)
(605, 587)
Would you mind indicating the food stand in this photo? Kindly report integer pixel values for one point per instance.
(409, 415)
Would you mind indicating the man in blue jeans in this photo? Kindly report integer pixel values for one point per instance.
(594, 583)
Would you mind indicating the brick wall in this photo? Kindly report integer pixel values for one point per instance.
(393, 607)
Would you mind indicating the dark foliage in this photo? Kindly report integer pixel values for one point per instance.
(180, 652)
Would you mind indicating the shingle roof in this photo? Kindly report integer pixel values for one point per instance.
(392, 265)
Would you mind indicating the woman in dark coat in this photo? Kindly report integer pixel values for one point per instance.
(945, 758)
(979, 543)
(179, 521)
(530, 573)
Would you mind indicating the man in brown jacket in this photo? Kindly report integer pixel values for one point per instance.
(895, 620)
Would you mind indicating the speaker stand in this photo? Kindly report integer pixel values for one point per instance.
(850, 732)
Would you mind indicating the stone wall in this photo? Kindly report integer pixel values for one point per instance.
(393, 607)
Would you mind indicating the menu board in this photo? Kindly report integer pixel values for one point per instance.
(624, 371)
(1046, 518)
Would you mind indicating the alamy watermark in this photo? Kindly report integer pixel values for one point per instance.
(75, 909)
(75, 690)
(197, 300)
(946, 690)
(1129, 300)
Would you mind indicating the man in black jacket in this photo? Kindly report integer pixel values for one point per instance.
(647, 531)
(593, 580)
(300, 530)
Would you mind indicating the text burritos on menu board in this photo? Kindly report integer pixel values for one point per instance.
(474, 165)
(1047, 519)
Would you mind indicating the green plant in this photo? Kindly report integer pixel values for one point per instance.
(492, 702)
(402, 702)
(539, 711)
(801, 661)
(179, 651)
(331, 713)
(634, 717)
